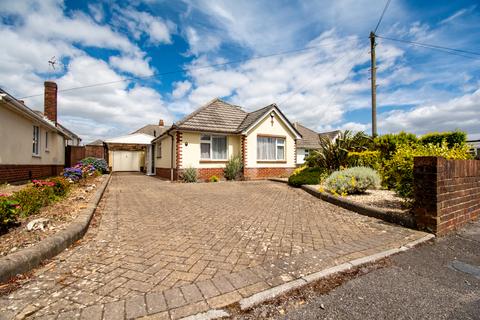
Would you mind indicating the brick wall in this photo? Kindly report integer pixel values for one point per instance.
(14, 173)
(262, 173)
(447, 193)
(73, 154)
(95, 151)
(165, 173)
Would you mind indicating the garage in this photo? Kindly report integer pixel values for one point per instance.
(126, 160)
(127, 153)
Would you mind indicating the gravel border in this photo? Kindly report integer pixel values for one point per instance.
(26, 259)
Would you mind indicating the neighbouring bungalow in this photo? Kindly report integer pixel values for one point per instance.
(310, 141)
(207, 138)
(32, 143)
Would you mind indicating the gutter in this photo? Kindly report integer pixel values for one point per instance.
(30, 113)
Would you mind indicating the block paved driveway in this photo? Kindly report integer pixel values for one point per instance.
(173, 250)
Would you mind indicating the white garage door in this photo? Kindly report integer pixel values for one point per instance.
(126, 161)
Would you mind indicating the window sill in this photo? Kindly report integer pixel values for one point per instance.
(46, 150)
(36, 156)
(213, 161)
(271, 161)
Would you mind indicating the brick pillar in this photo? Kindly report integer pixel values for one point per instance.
(427, 174)
(50, 100)
(244, 156)
(179, 155)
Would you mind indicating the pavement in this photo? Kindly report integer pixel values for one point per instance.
(439, 280)
(170, 250)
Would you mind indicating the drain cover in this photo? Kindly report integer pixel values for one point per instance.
(465, 268)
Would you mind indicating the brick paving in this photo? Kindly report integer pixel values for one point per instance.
(173, 250)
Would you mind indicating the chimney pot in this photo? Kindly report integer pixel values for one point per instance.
(50, 100)
(161, 123)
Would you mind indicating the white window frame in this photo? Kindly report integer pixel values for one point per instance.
(279, 141)
(210, 142)
(36, 141)
(159, 149)
(46, 141)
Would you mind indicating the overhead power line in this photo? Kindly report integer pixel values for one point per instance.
(182, 70)
(381, 17)
(458, 52)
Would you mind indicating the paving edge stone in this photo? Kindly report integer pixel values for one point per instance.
(360, 208)
(209, 315)
(26, 259)
(261, 297)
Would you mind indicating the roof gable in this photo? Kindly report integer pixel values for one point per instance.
(259, 115)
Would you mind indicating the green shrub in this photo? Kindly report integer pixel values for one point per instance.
(8, 212)
(352, 180)
(367, 158)
(62, 186)
(399, 169)
(233, 168)
(387, 144)
(307, 176)
(213, 179)
(190, 175)
(451, 138)
(98, 163)
(31, 199)
(333, 155)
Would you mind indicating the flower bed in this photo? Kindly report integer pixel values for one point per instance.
(41, 193)
(59, 215)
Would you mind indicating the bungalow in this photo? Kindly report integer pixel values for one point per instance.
(32, 143)
(208, 137)
(310, 141)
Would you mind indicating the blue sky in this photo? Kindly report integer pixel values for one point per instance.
(325, 88)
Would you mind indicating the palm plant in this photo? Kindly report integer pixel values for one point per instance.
(333, 154)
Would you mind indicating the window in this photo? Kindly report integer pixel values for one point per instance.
(270, 148)
(159, 149)
(307, 152)
(46, 140)
(36, 141)
(213, 147)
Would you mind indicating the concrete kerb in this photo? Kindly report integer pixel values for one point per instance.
(258, 298)
(29, 258)
(360, 208)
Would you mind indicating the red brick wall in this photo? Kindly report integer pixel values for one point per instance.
(73, 154)
(206, 173)
(262, 173)
(95, 151)
(447, 193)
(14, 173)
(165, 173)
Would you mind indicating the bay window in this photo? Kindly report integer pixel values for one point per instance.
(213, 147)
(270, 148)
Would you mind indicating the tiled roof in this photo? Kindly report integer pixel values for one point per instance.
(252, 117)
(311, 139)
(216, 116)
(152, 129)
(97, 142)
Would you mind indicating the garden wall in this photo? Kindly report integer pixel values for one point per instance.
(73, 154)
(447, 193)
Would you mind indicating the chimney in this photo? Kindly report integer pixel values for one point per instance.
(161, 123)
(50, 101)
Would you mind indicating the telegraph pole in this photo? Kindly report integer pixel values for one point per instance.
(374, 83)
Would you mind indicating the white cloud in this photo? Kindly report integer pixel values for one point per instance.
(138, 23)
(181, 88)
(133, 65)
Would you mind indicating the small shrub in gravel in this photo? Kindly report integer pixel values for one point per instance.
(8, 211)
(213, 179)
(352, 180)
(190, 175)
(233, 168)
